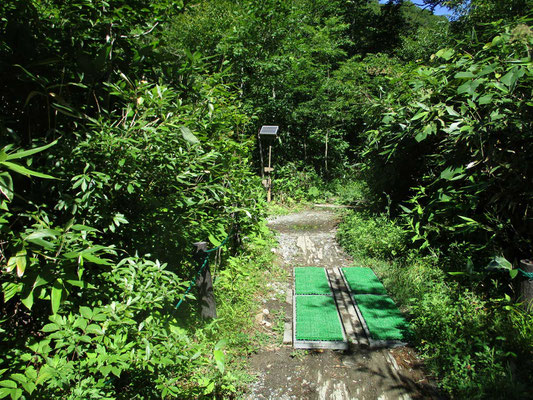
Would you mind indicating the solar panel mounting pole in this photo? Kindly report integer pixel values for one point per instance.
(269, 192)
(268, 132)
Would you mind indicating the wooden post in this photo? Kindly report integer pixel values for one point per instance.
(206, 295)
(326, 152)
(269, 183)
(525, 291)
(261, 155)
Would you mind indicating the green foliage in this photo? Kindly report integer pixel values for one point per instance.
(472, 344)
(151, 158)
(441, 154)
(349, 191)
(371, 236)
(292, 184)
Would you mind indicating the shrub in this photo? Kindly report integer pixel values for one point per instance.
(471, 344)
(371, 236)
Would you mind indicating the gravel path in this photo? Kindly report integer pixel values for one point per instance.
(282, 373)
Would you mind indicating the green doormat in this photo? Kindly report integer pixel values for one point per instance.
(382, 317)
(363, 281)
(317, 319)
(311, 280)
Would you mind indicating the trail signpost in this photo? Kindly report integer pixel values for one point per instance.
(267, 133)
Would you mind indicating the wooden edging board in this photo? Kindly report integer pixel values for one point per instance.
(373, 343)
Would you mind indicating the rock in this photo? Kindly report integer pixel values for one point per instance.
(259, 318)
(265, 311)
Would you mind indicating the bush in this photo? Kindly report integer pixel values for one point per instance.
(293, 183)
(471, 344)
(476, 347)
(371, 236)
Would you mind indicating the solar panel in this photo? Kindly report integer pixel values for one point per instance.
(269, 130)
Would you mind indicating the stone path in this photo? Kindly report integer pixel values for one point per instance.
(305, 239)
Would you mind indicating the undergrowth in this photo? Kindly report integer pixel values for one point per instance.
(477, 346)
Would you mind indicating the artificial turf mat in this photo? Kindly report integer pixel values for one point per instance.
(384, 320)
(363, 281)
(317, 319)
(311, 280)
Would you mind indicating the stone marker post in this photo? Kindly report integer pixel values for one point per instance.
(206, 295)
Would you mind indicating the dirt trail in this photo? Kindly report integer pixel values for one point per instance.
(282, 373)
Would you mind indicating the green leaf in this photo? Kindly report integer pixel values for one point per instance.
(469, 87)
(6, 185)
(21, 262)
(451, 173)
(188, 135)
(95, 260)
(214, 241)
(19, 378)
(26, 153)
(209, 388)
(221, 344)
(46, 372)
(464, 75)
(10, 289)
(94, 329)
(25, 171)
(83, 228)
(511, 77)
(42, 234)
(485, 99)
(28, 301)
(446, 54)
(428, 130)
(86, 312)
(57, 292)
(419, 115)
(51, 327)
(499, 263)
(487, 70)
(220, 359)
(8, 384)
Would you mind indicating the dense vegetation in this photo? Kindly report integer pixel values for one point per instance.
(129, 131)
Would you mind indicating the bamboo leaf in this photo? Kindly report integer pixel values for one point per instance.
(25, 171)
(26, 153)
